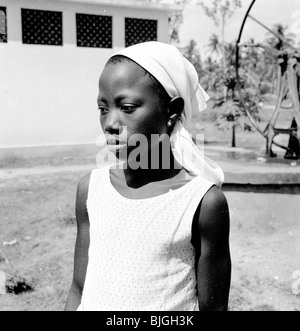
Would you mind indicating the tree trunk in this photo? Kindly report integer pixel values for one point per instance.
(224, 52)
(224, 43)
(233, 136)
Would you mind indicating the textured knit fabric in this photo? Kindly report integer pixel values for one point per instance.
(140, 255)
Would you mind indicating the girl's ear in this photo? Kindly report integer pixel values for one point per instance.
(176, 107)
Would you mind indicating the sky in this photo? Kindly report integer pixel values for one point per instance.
(199, 27)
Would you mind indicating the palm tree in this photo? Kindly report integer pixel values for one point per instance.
(214, 45)
(220, 11)
(281, 31)
(271, 59)
(192, 53)
(230, 52)
(210, 64)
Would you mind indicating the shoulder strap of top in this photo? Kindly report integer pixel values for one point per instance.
(99, 178)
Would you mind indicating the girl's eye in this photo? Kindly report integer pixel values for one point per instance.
(103, 110)
(128, 108)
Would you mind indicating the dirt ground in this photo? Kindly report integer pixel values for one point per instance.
(37, 234)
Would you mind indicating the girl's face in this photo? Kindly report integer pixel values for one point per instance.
(129, 106)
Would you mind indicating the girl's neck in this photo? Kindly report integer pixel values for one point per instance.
(137, 178)
(141, 177)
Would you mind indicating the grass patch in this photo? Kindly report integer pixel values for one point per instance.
(12, 160)
(48, 156)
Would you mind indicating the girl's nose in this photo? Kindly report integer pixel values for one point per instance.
(112, 122)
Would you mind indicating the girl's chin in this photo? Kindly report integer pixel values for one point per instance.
(119, 151)
(116, 148)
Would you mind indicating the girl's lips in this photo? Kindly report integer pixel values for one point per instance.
(115, 142)
(115, 147)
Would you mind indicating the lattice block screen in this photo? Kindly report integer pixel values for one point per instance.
(42, 27)
(139, 30)
(3, 27)
(94, 31)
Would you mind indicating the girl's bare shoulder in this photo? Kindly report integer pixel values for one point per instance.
(83, 184)
(215, 197)
(214, 208)
(82, 195)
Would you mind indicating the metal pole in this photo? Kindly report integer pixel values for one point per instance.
(271, 31)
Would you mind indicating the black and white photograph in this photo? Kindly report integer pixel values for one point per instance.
(150, 158)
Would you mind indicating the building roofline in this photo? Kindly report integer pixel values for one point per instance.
(128, 3)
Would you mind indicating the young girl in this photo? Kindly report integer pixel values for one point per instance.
(151, 238)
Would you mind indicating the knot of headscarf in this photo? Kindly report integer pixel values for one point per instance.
(180, 79)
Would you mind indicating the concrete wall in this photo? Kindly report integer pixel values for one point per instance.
(48, 93)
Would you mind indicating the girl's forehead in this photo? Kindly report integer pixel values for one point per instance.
(124, 73)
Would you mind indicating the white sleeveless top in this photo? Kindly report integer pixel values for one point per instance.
(140, 255)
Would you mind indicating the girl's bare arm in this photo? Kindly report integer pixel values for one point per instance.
(81, 246)
(214, 263)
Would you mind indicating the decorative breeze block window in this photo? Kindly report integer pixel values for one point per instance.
(40, 27)
(3, 27)
(139, 31)
(94, 31)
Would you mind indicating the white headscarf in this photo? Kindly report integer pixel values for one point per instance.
(180, 79)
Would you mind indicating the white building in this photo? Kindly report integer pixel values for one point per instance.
(51, 55)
